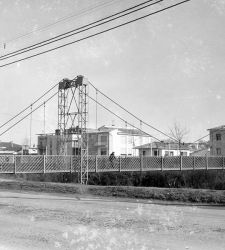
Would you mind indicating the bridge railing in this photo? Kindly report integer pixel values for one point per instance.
(55, 163)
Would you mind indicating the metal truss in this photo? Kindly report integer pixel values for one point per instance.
(72, 121)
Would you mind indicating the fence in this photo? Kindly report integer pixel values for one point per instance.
(56, 164)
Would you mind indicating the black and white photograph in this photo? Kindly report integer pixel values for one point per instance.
(112, 127)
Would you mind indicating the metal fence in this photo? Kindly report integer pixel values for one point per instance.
(56, 164)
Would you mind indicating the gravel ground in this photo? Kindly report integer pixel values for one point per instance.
(47, 221)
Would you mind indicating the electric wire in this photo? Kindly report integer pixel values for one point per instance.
(22, 111)
(79, 30)
(63, 19)
(142, 122)
(93, 35)
(31, 112)
(122, 118)
(203, 137)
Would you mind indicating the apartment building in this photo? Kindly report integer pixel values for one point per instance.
(121, 141)
(217, 140)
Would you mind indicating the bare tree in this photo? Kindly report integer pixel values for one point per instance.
(179, 133)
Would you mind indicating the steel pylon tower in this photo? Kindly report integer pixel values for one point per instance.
(72, 121)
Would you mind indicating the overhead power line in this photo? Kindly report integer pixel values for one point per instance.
(93, 35)
(201, 138)
(60, 20)
(22, 111)
(103, 106)
(33, 110)
(147, 124)
(79, 30)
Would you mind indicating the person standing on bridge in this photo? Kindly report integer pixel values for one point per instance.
(112, 159)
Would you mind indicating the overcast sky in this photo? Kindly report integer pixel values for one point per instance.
(167, 68)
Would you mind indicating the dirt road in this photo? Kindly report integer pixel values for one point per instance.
(47, 221)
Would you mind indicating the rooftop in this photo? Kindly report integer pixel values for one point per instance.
(222, 127)
(163, 145)
(122, 130)
(201, 152)
(10, 146)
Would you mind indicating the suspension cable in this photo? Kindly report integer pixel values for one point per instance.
(28, 106)
(141, 122)
(28, 114)
(123, 119)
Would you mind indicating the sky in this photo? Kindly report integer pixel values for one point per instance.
(167, 68)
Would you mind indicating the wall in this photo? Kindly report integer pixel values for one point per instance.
(123, 144)
(98, 143)
(42, 143)
(51, 144)
(217, 144)
(162, 152)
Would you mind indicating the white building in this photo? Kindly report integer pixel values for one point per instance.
(121, 141)
(164, 149)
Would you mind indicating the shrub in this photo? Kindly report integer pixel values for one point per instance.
(211, 179)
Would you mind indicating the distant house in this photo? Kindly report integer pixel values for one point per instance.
(27, 150)
(201, 152)
(9, 148)
(217, 140)
(164, 149)
(196, 146)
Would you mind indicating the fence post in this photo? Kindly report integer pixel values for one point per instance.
(207, 162)
(141, 163)
(162, 163)
(44, 164)
(119, 164)
(14, 164)
(71, 164)
(223, 164)
(193, 162)
(181, 162)
(96, 164)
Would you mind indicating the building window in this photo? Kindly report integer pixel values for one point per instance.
(218, 151)
(143, 152)
(166, 153)
(218, 137)
(155, 152)
(103, 139)
(171, 153)
(183, 153)
(103, 151)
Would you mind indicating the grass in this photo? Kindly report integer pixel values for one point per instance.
(166, 194)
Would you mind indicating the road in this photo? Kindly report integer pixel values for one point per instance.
(47, 221)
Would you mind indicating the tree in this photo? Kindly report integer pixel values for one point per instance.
(179, 133)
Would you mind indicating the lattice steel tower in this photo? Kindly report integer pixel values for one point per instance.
(72, 136)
